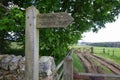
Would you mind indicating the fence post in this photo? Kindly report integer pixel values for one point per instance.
(108, 52)
(91, 50)
(31, 45)
(68, 68)
(113, 53)
(79, 50)
(103, 50)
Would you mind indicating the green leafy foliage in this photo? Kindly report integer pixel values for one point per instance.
(13, 22)
(88, 15)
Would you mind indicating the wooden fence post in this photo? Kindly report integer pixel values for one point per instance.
(31, 45)
(68, 68)
(91, 50)
(108, 52)
(103, 50)
(79, 50)
(113, 53)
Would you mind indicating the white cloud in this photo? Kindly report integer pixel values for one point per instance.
(110, 33)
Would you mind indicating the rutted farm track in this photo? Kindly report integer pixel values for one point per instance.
(97, 65)
(89, 64)
(90, 60)
(113, 67)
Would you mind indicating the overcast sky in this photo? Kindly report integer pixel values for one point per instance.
(110, 33)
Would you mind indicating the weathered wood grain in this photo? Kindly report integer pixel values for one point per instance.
(31, 45)
(53, 20)
(68, 68)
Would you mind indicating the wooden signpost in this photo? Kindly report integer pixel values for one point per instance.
(34, 21)
(54, 20)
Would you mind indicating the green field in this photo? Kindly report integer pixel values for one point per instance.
(112, 54)
(16, 45)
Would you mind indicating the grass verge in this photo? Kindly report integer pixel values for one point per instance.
(77, 64)
(114, 59)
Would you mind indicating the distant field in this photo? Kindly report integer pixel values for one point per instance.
(112, 54)
(16, 45)
(108, 50)
(16, 48)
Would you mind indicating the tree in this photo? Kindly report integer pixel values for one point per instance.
(88, 15)
(11, 20)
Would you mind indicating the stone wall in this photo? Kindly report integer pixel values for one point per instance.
(13, 67)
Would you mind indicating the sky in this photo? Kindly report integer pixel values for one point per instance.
(109, 34)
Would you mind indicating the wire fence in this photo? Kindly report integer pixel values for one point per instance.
(99, 50)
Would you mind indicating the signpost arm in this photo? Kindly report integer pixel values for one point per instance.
(31, 45)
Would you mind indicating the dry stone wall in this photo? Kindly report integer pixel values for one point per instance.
(13, 67)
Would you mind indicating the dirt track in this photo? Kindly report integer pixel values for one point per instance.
(115, 69)
(93, 63)
(89, 63)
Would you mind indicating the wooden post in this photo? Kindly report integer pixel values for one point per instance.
(91, 50)
(68, 68)
(108, 52)
(79, 50)
(113, 53)
(34, 21)
(103, 50)
(31, 45)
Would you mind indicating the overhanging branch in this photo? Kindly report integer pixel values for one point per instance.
(1, 5)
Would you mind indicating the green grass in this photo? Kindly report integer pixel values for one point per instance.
(107, 50)
(108, 53)
(114, 59)
(15, 45)
(77, 63)
(15, 48)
